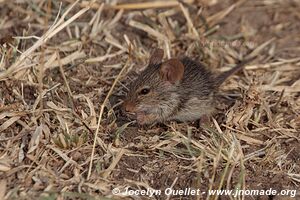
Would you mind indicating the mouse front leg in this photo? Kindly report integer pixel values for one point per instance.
(144, 118)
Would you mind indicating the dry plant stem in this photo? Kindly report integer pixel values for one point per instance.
(42, 61)
(243, 173)
(189, 21)
(199, 164)
(172, 186)
(147, 5)
(103, 145)
(40, 79)
(148, 30)
(113, 164)
(279, 99)
(139, 5)
(54, 29)
(74, 109)
(81, 120)
(222, 14)
(214, 171)
(225, 171)
(2, 188)
(65, 80)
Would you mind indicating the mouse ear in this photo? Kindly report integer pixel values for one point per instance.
(156, 56)
(172, 70)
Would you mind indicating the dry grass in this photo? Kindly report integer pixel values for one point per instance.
(64, 68)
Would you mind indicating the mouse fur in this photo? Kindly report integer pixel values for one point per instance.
(176, 89)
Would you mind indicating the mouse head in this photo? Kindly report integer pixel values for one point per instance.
(153, 96)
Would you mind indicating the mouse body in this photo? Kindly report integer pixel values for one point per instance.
(175, 89)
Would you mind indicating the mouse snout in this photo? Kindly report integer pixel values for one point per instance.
(128, 106)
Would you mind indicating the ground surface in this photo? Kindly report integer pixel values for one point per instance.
(56, 74)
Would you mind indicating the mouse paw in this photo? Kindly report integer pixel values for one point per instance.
(205, 120)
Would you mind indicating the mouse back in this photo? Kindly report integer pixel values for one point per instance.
(156, 56)
(181, 89)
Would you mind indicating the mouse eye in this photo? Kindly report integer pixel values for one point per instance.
(144, 91)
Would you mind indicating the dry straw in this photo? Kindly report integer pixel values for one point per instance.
(61, 132)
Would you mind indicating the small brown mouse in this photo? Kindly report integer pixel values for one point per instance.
(175, 89)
